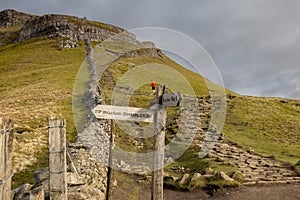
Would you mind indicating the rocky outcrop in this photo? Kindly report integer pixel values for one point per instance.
(68, 29)
(151, 52)
(10, 18)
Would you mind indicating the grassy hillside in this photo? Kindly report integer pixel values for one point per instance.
(269, 126)
(36, 81)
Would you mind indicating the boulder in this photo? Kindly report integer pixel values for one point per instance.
(41, 175)
(74, 179)
(196, 176)
(184, 179)
(21, 193)
(222, 176)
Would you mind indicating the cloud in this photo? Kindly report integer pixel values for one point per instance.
(255, 43)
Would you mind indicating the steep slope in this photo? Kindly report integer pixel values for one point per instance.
(36, 82)
(261, 135)
(39, 59)
(269, 126)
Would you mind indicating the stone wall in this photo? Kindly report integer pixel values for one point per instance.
(88, 161)
(86, 181)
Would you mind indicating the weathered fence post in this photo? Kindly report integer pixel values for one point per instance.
(57, 159)
(158, 148)
(6, 149)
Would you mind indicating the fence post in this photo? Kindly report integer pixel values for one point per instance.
(57, 159)
(6, 150)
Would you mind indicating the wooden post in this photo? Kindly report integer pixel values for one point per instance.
(57, 159)
(158, 148)
(110, 155)
(6, 149)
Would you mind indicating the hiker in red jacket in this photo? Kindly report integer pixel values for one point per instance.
(153, 85)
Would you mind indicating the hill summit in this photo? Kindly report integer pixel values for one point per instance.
(18, 26)
(9, 18)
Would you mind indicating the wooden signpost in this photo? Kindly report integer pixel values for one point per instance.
(171, 99)
(166, 100)
(157, 114)
(159, 103)
(123, 113)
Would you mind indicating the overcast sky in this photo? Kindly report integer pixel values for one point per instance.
(255, 43)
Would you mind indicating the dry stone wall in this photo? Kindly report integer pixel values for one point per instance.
(87, 167)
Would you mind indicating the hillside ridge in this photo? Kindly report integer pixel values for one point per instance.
(18, 27)
(11, 17)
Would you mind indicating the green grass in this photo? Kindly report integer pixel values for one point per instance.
(81, 22)
(67, 113)
(192, 163)
(269, 126)
(38, 79)
(38, 61)
(163, 71)
(21, 177)
(120, 46)
(297, 167)
(10, 29)
(127, 188)
(37, 72)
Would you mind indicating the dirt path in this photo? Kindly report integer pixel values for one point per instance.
(264, 192)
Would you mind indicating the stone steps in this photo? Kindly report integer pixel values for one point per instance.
(255, 168)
